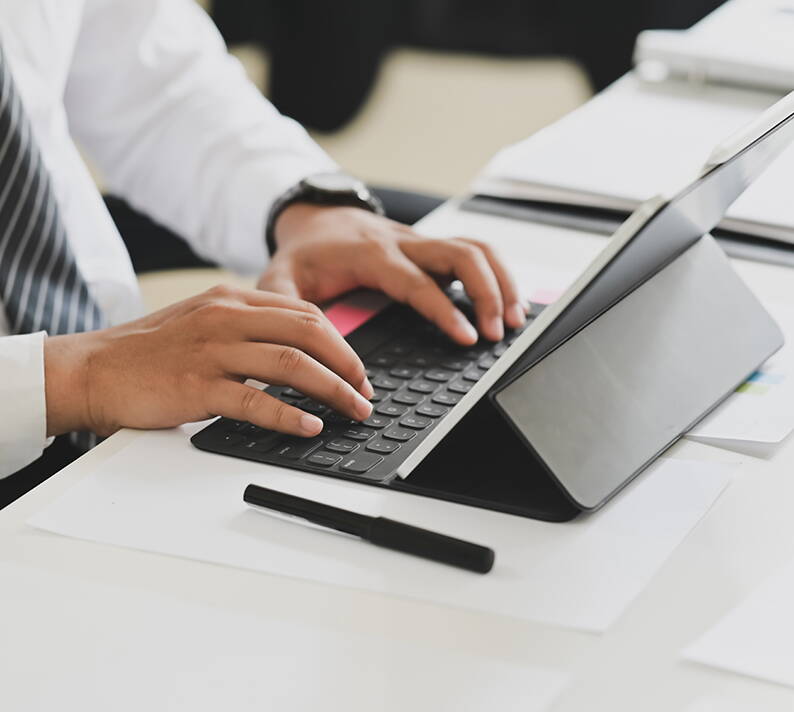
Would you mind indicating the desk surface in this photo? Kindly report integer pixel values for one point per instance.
(636, 665)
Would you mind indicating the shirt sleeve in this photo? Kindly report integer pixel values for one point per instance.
(177, 129)
(23, 412)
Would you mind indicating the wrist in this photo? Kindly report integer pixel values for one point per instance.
(295, 220)
(321, 190)
(67, 362)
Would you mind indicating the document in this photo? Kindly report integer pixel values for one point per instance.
(636, 140)
(126, 649)
(160, 494)
(757, 637)
(761, 411)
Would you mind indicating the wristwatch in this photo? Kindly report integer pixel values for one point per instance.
(322, 189)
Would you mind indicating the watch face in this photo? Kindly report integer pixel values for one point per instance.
(334, 183)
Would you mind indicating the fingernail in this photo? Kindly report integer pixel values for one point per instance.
(366, 388)
(496, 328)
(517, 314)
(466, 328)
(363, 407)
(310, 424)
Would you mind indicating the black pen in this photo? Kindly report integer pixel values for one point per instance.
(377, 530)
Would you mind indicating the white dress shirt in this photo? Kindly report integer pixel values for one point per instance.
(148, 91)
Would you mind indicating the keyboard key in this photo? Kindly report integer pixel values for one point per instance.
(415, 422)
(432, 411)
(499, 349)
(252, 431)
(382, 361)
(264, 445)
(384, 447)
(232, 439)
(454, 364)
(312, 406)
(422, 387)
(471, 355)
(486, 362)
(391, 409)
(296, 448)
(422, 360)
(401, 350)
(404, 373)
(340, 445)
(407, 398)
(472, 375)
(377, 397)
(356, 433)
(436, 374)
(400, 434)
(361, 463)
(324, 459)
(461, 387)
(375, 421)
(387, 384)
(334, 418)
(292, 393)
(445, 398)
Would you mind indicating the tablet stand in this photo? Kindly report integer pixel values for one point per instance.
(567, 433)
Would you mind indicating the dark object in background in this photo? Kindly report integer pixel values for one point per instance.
(153, 247)
(325, 56)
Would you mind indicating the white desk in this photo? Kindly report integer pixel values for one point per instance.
(635, 666)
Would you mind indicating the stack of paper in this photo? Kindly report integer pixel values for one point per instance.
(636, 140)
(744, 42)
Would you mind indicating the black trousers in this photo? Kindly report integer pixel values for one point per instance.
(55, 458)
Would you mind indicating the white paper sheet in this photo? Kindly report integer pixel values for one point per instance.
(68, 644)
(160, 494)
(757, 637)
(636, 140)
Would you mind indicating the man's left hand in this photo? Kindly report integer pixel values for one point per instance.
(323, 252)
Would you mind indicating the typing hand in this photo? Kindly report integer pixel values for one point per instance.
(323, 252)
(189, 362)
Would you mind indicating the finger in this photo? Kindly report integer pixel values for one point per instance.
(404, 281)
(240, 402)
(310, 332)
(279, 280)
(514, 310)
(468, 263)
(286, 365)
(255, 298)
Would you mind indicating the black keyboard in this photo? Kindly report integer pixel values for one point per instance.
(418, 375)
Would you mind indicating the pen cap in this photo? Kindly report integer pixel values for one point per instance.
(430, 545)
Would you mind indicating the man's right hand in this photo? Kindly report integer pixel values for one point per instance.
(189, 362)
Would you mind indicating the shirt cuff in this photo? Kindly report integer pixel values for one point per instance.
(23, 408)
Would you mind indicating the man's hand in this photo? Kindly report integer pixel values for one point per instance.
(323, 252)
(189, 362)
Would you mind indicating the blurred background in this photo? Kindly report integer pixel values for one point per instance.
(419, 94)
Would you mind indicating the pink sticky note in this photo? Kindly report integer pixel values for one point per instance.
(546, 296)
(348, 317)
